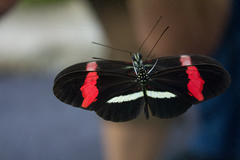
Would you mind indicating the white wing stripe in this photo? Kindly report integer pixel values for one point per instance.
(126, 98)
(136, 95)
(158, 94)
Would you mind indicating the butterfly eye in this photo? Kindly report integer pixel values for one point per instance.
(139, 56)
(141, 63)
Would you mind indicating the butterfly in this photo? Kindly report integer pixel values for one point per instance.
(121, 91)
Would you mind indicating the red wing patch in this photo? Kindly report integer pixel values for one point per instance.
(89, 89)
(195, 84)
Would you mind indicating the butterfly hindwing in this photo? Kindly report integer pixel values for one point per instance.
(164, 104)
(126, 103)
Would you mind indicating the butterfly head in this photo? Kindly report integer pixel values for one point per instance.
(137, 61)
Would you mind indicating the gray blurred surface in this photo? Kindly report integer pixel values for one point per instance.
(34, 125)
(49, 38)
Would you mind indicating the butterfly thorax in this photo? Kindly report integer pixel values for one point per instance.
(142, 75)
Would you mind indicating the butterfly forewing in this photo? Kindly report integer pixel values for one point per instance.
(72, 87)
(108, 66)
(194, 80)
(165, 63)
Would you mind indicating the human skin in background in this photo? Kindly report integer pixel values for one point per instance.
(6, 5)
(195, 27)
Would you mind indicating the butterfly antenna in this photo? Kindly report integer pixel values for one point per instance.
(112, 48)
(149, 34)
(153, 66)
(145, 59)
(100, 59)
(157, 41)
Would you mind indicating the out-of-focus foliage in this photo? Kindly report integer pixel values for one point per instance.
(41, 2)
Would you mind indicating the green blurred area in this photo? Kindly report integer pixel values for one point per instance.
(41, 2)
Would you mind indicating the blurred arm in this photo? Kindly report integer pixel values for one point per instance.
(6, 5)
(196, 27)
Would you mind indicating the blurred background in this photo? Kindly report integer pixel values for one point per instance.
(37, 40)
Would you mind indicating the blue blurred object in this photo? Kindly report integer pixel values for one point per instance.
(218, 133)
(35, 125)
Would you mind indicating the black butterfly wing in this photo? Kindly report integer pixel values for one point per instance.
(191, 79)
(165, 104)
(123, 104)
(106, 65)
(111, 90)
(205, 82)
(165, 63)
(91, 85)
